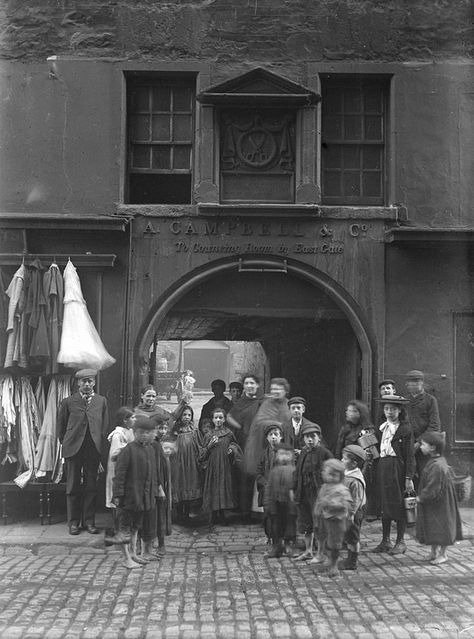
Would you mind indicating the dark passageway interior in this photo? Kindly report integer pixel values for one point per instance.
(305, 336)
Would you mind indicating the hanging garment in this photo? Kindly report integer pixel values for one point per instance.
(8, 417)
(39, 395)
(53, 288)
(28, 425)
(64, 390)
(16, 293)
(45, 455)
(81, 346)
(38, 343)
(3, 317)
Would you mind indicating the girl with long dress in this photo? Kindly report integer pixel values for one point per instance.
(219, 453)
(187, 490)
(438, 522)
(118, 439)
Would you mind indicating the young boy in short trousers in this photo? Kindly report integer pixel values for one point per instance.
(353, 458)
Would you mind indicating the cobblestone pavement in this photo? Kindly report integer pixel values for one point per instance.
(216, 583)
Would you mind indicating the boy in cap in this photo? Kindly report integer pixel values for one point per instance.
(273, 434)
(279, 502)
(82, 424)
(333, 509)
(308, 481)
(293, 428)
(353, 458)
(135, 490)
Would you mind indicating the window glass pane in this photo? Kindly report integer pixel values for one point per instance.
(372, 157)
(182, 128)
(372, 184)
(333, 101)
(352, 127)
(373, 127)
(352, 101)
(139, 127)
(351, 157)
(161, 157)
(373, 101)
(140, 99)
(332, 183)
(161, 98)
(332, 157)
(161, 128)
(141, 157)
(182, 99)
(351, 183)
(332, 127)
(181, 157)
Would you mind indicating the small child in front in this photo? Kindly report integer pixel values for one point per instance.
(279, 502)
(438, 522)
(118, 439)
(333, 509)
(308, 481)
(273, 434)
(135, 488)
(353, 458)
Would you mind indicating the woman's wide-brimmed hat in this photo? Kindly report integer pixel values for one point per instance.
(393, 399)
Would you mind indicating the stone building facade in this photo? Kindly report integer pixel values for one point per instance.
(296, 174)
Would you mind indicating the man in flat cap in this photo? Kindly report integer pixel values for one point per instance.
(82, 424)
(423, 413)
(293, 427)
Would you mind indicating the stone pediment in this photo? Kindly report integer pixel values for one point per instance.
(258, 87)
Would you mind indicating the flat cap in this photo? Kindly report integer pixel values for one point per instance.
(311, 428)
(414, 375)
(145, 423)
(355, 450)
(384, 382)
(85, 372)
(269, 424)
(297, 400)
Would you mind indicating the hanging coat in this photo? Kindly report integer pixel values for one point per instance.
(53, 288)
(38, 344)
(45, 455)
(81, 346)
(16, 293)
(40, 399)
(8, 417)
(28, 427)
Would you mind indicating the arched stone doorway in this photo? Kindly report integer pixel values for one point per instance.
(312, 331)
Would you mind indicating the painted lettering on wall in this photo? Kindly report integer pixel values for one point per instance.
(254, 247)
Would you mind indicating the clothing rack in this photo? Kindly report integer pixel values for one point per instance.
(84, 260)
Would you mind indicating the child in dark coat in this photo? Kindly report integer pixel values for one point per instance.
(279, 501)
(219, 453)
(308, 481)
(273, 434)
(353, 458)
(135, 489)
(438, 522)
(333, 509)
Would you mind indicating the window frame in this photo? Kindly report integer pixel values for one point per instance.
(344, 81)
(155, 79)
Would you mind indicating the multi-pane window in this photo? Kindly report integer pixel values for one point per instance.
(160, 134)
(354, 141)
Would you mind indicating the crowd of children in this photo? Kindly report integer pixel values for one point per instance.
(158, 468)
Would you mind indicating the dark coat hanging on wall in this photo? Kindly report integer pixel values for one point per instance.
(38, 350)
(53, 288)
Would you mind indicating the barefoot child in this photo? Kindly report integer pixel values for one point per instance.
(273, 434)
(308, 481)
(118, 439)
(279, 501)
(219, 451)
(353, 458)
(438, 522)
(135, 488)
(333, 510)
(168, 451)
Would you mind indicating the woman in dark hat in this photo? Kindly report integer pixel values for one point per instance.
(396, 467)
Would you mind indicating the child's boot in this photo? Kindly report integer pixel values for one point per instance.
(350, 563)
(275, 551)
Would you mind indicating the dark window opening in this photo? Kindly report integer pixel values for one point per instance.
(160, 140)
(354, 141)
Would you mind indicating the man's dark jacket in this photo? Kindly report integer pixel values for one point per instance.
(75, 416)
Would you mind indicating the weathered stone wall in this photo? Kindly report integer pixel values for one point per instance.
(248, 30)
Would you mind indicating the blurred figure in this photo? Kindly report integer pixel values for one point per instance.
(235, 389)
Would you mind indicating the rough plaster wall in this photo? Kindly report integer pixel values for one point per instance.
(249, 30)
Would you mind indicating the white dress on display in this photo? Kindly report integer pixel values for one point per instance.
(81, 346)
